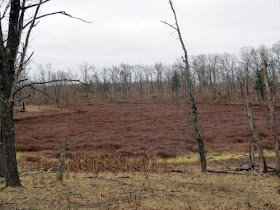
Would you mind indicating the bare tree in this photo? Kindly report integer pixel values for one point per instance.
(158, 67)
(271, 106)
(105, 83)
(148, 80)
(86, 71)
(179, 66)
(190, 90)
(255, 135)
(227, 62)
(23, 16)
(199, 64)
(213, 72)
(43, 78)
(275, 51)
(125, 77)
(168, 75)
(246, 56)
(139, 78)
(115, 70)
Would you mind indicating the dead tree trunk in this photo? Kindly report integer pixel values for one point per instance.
(256, 136)
(62, 160)
(190, 90)
(271, 102)
(2, 172)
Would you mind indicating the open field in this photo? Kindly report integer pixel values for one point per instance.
(130, 129)
(139, 135)
(192, 190)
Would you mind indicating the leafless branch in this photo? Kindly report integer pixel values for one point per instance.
(28, 59)
(56, 13)
(178, 171)
(40, 91)
(7, 201)
(20, 99)
(28, 169)
(219, 161)
(22, 61)
(22, 80)
(34, 5)
(58, 80)
(47, 82)
(6, 10)
(170, 25)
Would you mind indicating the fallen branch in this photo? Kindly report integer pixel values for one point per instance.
(49, 170)
(135, 168)
(124, 177)
(28, 169)
(36, 172)
(229, 172)
(7, 201)
(219, 161)
(178, 171)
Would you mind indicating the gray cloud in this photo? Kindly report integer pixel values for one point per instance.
(130, 31)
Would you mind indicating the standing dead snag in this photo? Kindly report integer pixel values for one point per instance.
(62, 160)
(256, 136)
(190, 90)
(20, 16)
(271, 103)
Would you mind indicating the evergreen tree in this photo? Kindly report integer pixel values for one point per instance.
(259, 84)
(175, 82)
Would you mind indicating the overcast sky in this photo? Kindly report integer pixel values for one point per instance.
(130, 31)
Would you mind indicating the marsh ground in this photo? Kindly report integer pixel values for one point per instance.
(131, 129)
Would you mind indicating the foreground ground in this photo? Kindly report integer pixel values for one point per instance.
(131, 129)
(192, 190)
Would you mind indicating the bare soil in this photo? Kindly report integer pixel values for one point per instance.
(129, 129)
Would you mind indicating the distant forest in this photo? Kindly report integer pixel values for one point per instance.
(218, 78)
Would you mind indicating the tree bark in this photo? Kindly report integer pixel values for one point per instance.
(9, 148)
(271, 106)
(8, 55)
(256, 136)
(2, 172)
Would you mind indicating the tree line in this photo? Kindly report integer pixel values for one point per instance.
(216, 78)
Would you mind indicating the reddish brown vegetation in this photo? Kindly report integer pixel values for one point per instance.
(132, 129)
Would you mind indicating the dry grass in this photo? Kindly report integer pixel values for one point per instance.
(192, 190)
(32, 111)
(113, 184)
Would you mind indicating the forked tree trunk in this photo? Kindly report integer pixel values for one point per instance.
(256, 136)
(271, 103)
(190, 90)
